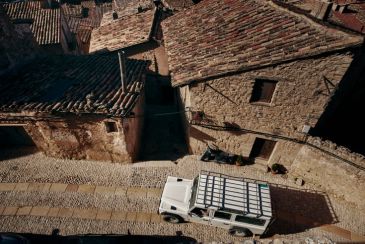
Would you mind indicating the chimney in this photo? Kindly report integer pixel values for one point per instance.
(321, 9)
(115, 15)
(123, 71)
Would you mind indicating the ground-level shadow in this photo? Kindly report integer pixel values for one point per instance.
(7, 152)
(104, 239)
(163, 135)
(297, 210)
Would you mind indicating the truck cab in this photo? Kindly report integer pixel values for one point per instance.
(242, 206)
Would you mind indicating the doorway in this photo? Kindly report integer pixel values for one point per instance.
(14, 136)
(262, 148)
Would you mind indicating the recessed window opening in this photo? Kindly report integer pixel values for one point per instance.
(263, 90)
(111, 127)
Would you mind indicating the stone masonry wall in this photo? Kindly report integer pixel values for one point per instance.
(80, 138)
(330, 173)
(17, 45)
(299, 99)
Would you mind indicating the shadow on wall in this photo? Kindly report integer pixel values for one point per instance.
(297, 210)
(105, 239)
(200, 135)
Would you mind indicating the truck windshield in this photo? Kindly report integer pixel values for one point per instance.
(193, 191)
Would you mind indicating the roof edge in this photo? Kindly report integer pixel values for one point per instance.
(342, 48)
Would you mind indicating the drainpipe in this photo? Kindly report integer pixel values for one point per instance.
(123, 71)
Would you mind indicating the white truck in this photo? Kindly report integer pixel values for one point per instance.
(242, 206)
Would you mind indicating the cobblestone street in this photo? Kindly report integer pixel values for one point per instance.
(39, 194)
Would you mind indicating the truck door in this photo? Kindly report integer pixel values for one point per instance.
(221, 219)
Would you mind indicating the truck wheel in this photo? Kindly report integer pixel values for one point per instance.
(239, 232)
(172, 218)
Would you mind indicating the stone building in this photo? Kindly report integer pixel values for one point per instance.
(75, 107)
(17, 46)
(47, 23)
(82, 18)
(125, 27)
(255, 76)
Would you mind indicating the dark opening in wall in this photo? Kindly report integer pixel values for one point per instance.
(262, 148)
(13, 136)
(111, 127)
(263, 90)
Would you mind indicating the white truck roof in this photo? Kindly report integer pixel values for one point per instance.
(233, 193)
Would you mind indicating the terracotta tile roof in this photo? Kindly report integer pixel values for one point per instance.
(76, 84)
(123, 32)
(353, 18)
(130, 7)
(46, 25)
(132, 4)
(178, 4)
(216, 37)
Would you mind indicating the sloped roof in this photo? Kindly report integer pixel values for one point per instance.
(131, 4)
(46, 25)
(179, 4)
(76, 84)
(216, 37)
(123, 32)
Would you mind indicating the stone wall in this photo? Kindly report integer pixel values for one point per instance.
(300, 97)
(17, 45)
(332, 174)
(133, 128)
(80, 138)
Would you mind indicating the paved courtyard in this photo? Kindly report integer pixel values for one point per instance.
(39, 194)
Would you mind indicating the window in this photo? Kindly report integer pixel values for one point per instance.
(222, 215)
(263, 90)
(248, 220)
(111, 127)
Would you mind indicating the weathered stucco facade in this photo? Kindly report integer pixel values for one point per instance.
(302, 92)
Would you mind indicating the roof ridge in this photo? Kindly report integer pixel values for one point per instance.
(318, 26)
(214, 38)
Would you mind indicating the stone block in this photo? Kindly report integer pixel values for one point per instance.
(53, 212)
(39, 211)
(143, 217)
(86, 189)
(120, 191)
(154, 192)
(136, 192)
(72, 188)
(57, 187)
(65, 212)
(104, 214)
(118, 215)
(7, 186)
(156, 218)
(105, 190)
(1, 210)
(38, 187)
(131, 216)
(10, 211)
(88, 213)
(24, 211)
(21, 187)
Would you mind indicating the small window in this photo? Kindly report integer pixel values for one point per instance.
(111, 127)
(263, 90)
(222, 215)
(248, 220)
